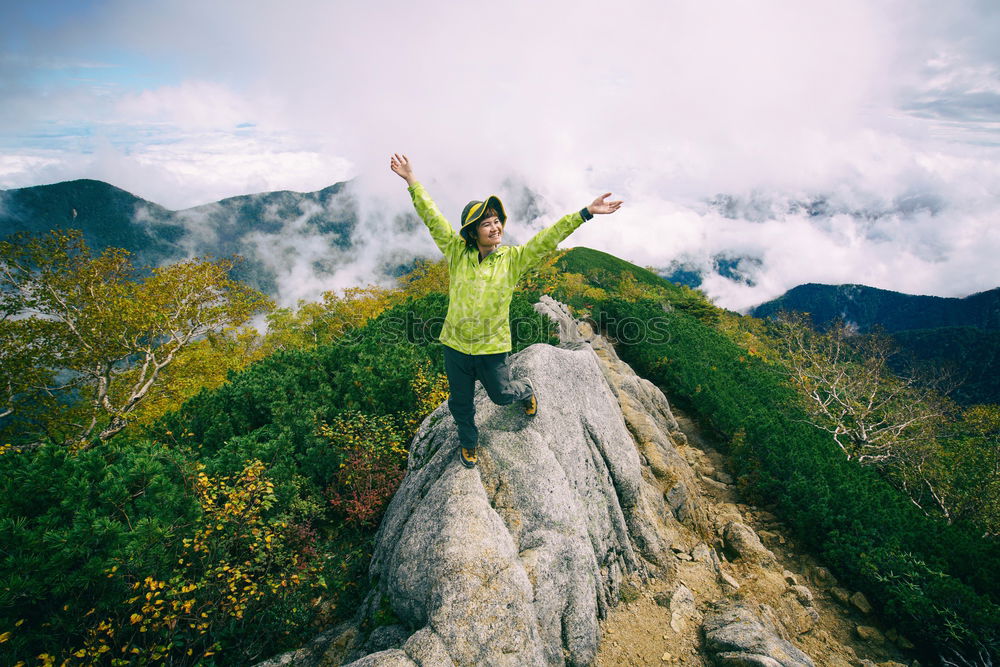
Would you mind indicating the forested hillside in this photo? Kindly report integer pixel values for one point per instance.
(110, 217)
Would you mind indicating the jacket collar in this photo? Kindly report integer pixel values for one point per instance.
(474, 252)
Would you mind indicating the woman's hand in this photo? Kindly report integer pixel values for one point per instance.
(401, 165)
(601, 206)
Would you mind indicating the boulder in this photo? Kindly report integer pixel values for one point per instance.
(515, 561)
(861, 602)
(840, 594)
(736, 635)
(682, 608)
(743, 543)
(821, 576)
(869, 634)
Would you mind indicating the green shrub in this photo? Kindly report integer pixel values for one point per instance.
(936, 582)
(118, 551)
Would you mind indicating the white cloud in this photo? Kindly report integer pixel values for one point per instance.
(192, 105)
(867, 105)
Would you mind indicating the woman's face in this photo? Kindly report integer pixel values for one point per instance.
(489, 231)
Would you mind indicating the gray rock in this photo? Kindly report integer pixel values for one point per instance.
(822, 577)
(713, 483)
(803, 593)
(735, 635)
(682, 608)
(390, 658)
(861, 602)
(728, 582)
(730, 659)
(327, 648)
(386, 637)
(840, 594)
(514, 562)
(795, 616)
(723, 477)
(679, 498)
(427, 649)
(743, 543)
(768, 536)
(869, 634)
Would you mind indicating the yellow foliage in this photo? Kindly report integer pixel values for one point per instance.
(543, 277)
(202, 365)
(237, 560)
(314, 324)
(425, 278)
(115, 328)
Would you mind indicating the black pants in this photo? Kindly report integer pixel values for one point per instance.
(491, 369)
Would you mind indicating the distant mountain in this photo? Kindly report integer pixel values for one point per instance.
(244, 225)
(969, 355)
(957, 336)
(894, 311)
(106, 215)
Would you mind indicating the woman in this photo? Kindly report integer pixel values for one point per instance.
(482, 276)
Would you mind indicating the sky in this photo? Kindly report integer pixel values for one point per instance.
(794, 141)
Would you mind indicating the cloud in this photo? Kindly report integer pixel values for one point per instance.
(866, 106)
(192, 105)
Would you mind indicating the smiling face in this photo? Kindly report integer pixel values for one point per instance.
(489, 231)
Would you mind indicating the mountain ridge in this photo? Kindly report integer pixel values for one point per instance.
(112, 217)
(867, 306)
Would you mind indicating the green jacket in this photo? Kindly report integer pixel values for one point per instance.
(478, 320)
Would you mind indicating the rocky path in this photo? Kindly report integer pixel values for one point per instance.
(660, 622)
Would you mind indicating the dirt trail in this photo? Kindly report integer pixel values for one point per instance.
(644, 630)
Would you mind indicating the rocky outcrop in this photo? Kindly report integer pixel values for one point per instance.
(735, 635)
(743, 543)
(515, 562)
(518, 561)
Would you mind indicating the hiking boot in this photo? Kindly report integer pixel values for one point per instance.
(467, 457)
(531, 403)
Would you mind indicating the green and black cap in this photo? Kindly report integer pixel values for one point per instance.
(474, 210)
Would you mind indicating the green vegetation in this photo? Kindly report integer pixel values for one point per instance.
(230, 519)
(85, 338)
(968, 355)
(933, 579)
(233, 512)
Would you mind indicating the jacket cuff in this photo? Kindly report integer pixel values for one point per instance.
(585, 214)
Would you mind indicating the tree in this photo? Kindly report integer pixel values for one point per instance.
(969, 468)
(876, 417)
(427, 276)
(339, 315)
(871, 413)
(99, 333)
